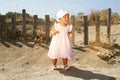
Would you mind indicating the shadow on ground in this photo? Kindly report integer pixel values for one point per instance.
(21, 43)
(79, 48)
(84, 74)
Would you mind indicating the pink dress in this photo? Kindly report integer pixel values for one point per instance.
(60, 46)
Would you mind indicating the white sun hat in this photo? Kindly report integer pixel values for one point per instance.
(61, 13)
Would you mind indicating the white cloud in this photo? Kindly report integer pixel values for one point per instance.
(74, 5)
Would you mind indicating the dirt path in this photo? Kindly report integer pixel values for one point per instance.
(35, 65)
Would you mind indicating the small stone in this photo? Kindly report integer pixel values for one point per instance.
(27, 63)
(3, 69)
(3, 65)
(77, 59)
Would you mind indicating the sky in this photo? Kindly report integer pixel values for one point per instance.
(50, 7)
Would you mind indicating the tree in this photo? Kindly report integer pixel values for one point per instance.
(79, 17)
(9, 14)
(103, 15)
(115, 18)
(92, 16)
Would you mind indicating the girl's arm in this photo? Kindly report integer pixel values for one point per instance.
(53, 32)
(70, 34)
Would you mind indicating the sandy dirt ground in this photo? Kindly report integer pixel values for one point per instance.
(20, 62)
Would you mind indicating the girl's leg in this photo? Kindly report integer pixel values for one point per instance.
(65, 63)
(54, 62)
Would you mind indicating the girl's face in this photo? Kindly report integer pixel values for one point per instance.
(65, 20)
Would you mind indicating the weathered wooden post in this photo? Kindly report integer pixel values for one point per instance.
(73, 29)
(2, 26)
(13, 25)
(34, 26)
(0, 30)
(85, 30)
(109, 25)
(97, 29)
(24, 24)
(47, 19)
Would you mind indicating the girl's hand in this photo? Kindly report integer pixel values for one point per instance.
(54, 32)
(70, 35)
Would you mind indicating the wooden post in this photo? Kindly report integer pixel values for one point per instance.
(13, 25)
(73, 28)
(0, 30)
(108, 25)
(47, 19)
(2, 25)
(35, 25)
(97, 29)
(85, 30)
(24, 24)
(2, 20)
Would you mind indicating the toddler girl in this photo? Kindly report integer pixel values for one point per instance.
(60, 46)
